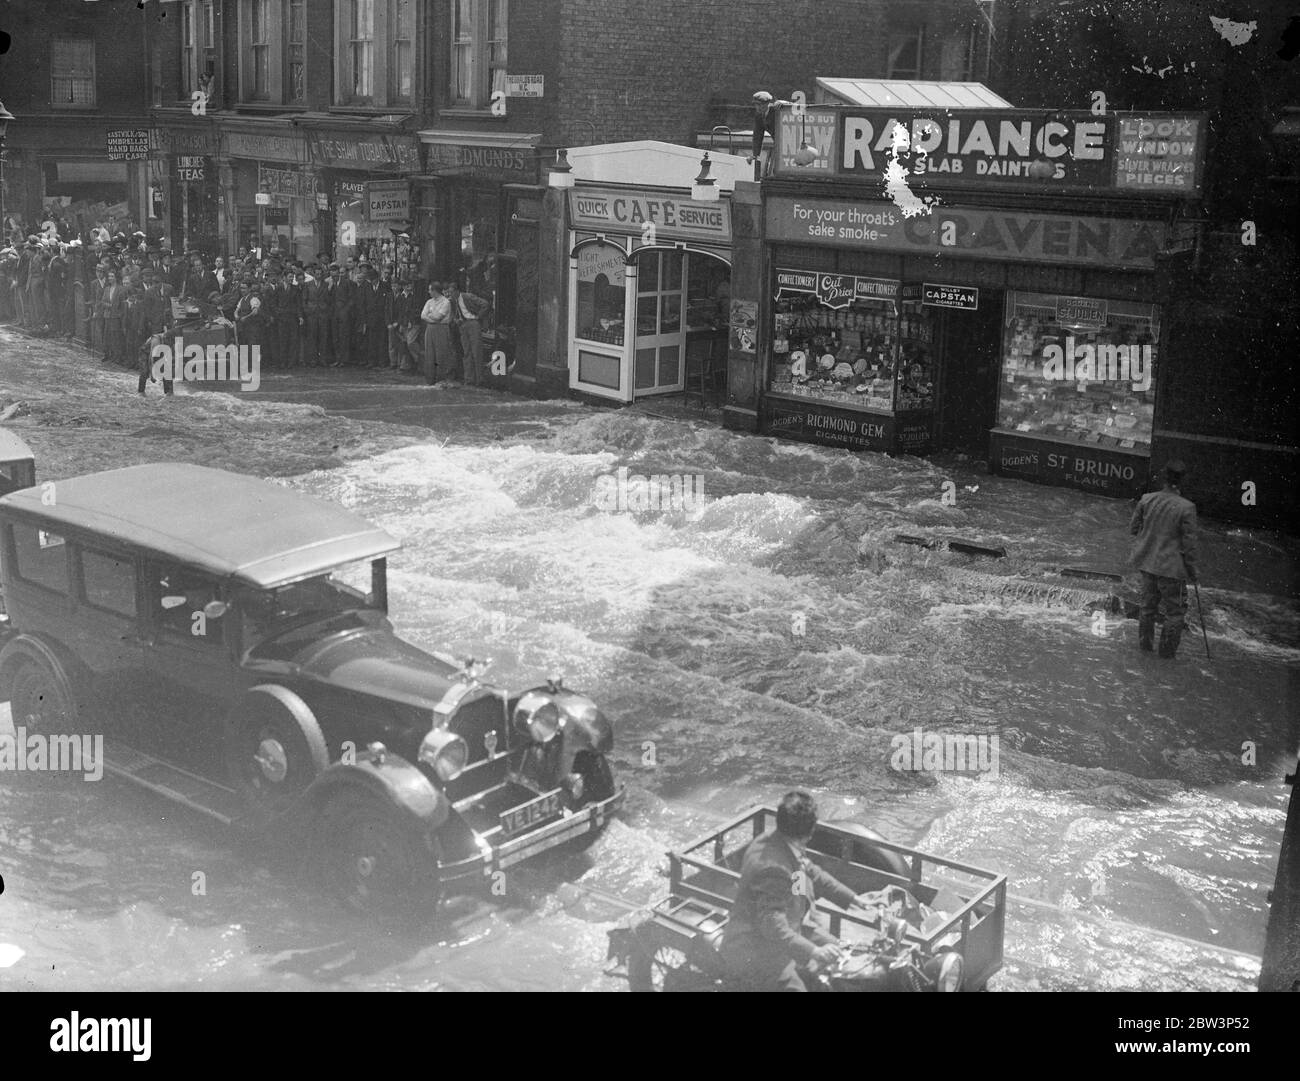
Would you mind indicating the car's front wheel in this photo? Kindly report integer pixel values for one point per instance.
(374, 861)
(274, 750)
(41, 698)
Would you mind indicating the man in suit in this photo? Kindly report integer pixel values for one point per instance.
(314, 319)
(374, 298)
(769, 937)
(1164, 524)
(342, 302)
(152, 319)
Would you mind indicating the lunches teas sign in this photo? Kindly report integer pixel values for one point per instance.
(619, 211)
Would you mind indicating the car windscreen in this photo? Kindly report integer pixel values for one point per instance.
(271, 614)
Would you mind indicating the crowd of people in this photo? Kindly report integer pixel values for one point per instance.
(309, 314)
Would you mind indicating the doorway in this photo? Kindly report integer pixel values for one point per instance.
(660, 294)
(682, 314)
(971, 344)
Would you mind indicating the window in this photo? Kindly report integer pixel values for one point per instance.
(72, 72)
(375, 51)
(198, 47)
(402, 21)
(40, 557)
(906, 49)
(297, 89)
(273, 51)
(478, 51)
(957, 55)
(1079, 369)
(258, 77)
(108, 582)
(179, 595)
(361, 50)
(189, 60)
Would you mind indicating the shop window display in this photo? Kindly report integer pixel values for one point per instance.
(1079, 369)
(601, 280)
(870, 353)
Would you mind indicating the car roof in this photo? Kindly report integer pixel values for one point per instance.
(227, 524)
(12, 448)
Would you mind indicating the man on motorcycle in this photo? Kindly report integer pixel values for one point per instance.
(770, 940)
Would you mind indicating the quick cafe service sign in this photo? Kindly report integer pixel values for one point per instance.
(615, 210)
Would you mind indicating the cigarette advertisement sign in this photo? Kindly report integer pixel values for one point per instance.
(968, 232)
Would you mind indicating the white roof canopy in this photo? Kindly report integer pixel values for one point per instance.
(652, 164)
(907, 94)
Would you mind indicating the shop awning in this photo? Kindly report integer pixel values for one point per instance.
(907, 94)
(92, 172)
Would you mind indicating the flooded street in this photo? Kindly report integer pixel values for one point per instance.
(775, 636)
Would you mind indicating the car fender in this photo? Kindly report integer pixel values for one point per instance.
(586, 728)
(56, 658)
(388, 777)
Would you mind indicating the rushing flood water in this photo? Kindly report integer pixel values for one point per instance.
(775, 637)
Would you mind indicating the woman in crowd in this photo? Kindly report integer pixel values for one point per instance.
(112, 303)
(436, 316)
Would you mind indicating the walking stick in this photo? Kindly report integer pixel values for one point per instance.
(1201, 612)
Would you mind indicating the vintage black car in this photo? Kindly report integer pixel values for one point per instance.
(230, 639)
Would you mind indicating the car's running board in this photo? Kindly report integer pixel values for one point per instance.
(178, 785)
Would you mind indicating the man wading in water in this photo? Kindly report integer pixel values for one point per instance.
(1164, 524)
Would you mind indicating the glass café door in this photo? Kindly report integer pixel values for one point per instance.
(661, 287)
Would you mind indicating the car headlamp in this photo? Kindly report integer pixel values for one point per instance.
(538, 716)
(951, 970)
(445, 753)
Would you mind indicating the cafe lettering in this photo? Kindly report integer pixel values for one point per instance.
(632, 212)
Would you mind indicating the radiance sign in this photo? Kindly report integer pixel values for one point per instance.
(1001, 149)
(835, 290)
(968, 232)
(617, 211)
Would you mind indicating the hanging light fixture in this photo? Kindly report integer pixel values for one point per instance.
(561, 171)
(705, 188)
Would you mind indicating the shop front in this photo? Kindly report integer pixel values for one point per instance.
(189, 158)
(365, 197)
(268, 172)
(1010, 326)
(649, 271)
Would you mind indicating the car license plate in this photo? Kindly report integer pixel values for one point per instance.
(530, 813)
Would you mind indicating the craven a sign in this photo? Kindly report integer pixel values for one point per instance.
(615, 210)
(968, 232)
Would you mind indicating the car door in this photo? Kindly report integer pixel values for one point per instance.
(105, 632)
(190, 664)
